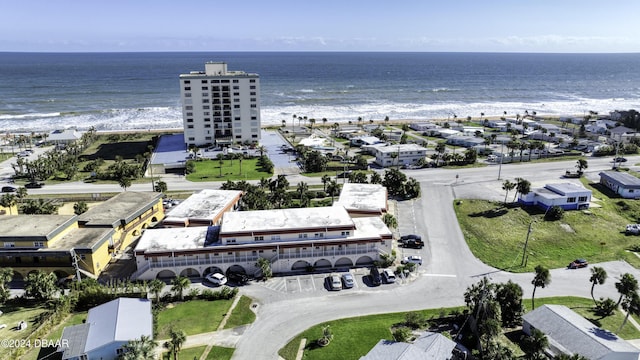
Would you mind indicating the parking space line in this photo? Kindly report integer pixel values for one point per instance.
(299, 284)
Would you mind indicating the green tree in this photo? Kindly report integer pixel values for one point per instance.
(523, 187)
(598, 276)
(325, 179)
(6, 275)
(156, 286)
(39, 207)
(507, 186)
(302, 190)
(80, 207)
(333, 189)
(542, 279)
(139, 349)
(160, 187)
(394, 181)
(626, 286)
(375, 178)
(631, 305)
(412, 188)
(534, 345)
(390, 221)
(8, 201)
(175, 342)
(179, 284)
(265, 267)
(567, 357)
(581, 165)
(40, 285)
(509, 296)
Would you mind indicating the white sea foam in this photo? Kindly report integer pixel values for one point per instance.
(28, 116)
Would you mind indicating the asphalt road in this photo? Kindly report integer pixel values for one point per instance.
(449, 267)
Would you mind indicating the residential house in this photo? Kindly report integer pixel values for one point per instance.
(397, 155)
(422, 127)
(63, 137)
(429, 346)
(568, 196)
(107, 329)
(365, 140)
(465, 140)
(621, 183)
(569, 333)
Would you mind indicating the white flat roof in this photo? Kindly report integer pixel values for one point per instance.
(370, 227)
(368, 197)
(284, 219)
(172, 239)
(206, 204)
(399, 148)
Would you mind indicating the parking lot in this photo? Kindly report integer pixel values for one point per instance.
(309, 284)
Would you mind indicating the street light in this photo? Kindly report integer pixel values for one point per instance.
(526, 242)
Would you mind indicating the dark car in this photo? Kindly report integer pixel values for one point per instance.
(578, 263)
(237, 278)
(7, 189)
(344, 174)
(619, 159)
(410, 237)
(374, 274)
(34, 185)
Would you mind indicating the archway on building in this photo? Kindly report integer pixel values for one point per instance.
(190, 273)
(300, 265)
(322, 264)
(166, 274)
(17, 276)
(236, 269)
(364, 260)
(344, 263)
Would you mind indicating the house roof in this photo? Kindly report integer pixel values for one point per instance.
(578, 335)
(431, 346)
(122, 208)
(118, 320)
(363, 197)
(206, 204)
(64, 135)
(566, 188)
(622, 178)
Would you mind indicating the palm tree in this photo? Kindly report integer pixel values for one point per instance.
(507, 186)
(156, 286)
(302, 189)
(265, 267)
(333, 188)
(179, 284)
(6, 275)
(175, 342)
(325, 179)
(631, 305)
(542, 279)
(534, 345)
(598, 276)
(8, 201)
(139, 349)
(626, 286)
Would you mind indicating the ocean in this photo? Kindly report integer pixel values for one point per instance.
(128, 91)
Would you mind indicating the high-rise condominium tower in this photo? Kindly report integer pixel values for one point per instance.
(220, 107)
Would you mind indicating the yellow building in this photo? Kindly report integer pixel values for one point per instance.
(52, 243)
(9, 210)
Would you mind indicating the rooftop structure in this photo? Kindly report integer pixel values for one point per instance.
(430, 346)
(363, 199)
(622, 183)
(203, 208)
(568, 196)
(120, 209)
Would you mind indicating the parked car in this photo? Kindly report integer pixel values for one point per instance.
(216, 279)
(334, 282)
(348, 281)
(632, 229)
(389, 276)
(410, 236)
(344, 174)
(578, 263)
(414, 259)
(237, 278)
(619, 159)
(34, 185)
(7, 189)
(374, 274)
(412, 243)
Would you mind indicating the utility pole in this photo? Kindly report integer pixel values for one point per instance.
(526, 242)
(501, 156)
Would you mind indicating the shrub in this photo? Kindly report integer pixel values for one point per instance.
(605, 307)
(402, 334)
(414, 320)
(320, 194)
(554, 213)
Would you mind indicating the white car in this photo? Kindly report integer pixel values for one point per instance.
(388, 276)
(216, 279)
(334, 282)
(414, 259)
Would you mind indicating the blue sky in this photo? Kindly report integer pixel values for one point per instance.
(328, 25)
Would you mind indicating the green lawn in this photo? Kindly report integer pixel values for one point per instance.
(193, 317)
(354, 337)
(209, 170)
(220, 353)
(496, 234)
(55, 334)
(187, 354)
(12, 314)
(241, 314)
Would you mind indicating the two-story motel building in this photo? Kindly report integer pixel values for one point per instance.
(291, 239)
